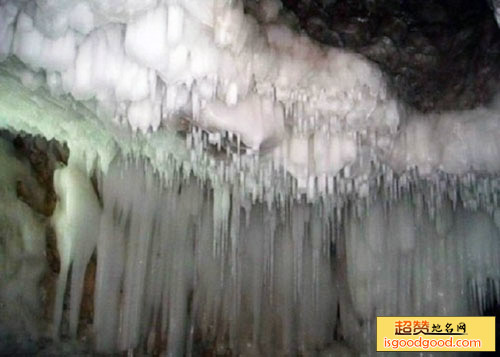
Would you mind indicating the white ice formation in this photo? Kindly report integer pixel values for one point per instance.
(227, 79)
(76, 221)
(254, 186)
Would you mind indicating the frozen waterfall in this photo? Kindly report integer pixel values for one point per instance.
(239, 188)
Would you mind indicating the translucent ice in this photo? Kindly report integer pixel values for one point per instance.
(76, 222)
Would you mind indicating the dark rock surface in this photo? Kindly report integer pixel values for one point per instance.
(438, 54)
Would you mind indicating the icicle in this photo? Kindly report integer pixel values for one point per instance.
(76, 220)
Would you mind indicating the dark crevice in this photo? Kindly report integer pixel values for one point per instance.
(439, 55)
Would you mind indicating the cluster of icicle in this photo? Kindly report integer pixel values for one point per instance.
(254, 87)
(146, 62)
(190, 265)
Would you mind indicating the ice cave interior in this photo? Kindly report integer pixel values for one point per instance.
(244, 177)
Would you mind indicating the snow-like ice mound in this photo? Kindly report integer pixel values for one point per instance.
(249, 96)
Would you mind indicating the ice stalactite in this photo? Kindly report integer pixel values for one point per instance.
(76, 221)
(185, 265)
(255, 192)
(206, 62)
(144, 259)
(212, 76)
(400, 261)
